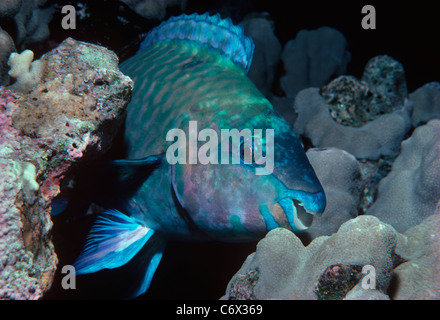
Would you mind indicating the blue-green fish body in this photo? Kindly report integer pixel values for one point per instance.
(193, 68)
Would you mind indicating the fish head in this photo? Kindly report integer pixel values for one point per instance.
(243, 201)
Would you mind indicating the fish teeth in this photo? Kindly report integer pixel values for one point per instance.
(307, 210)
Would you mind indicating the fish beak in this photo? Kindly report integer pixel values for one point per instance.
(300, 218)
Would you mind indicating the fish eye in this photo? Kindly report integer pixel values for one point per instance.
(247, 153)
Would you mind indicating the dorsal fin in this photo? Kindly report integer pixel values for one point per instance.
(212, 31)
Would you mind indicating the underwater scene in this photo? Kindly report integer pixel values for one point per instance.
(219, 150)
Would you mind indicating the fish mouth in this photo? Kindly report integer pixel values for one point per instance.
(300, 218)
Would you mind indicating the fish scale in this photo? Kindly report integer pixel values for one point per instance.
(178, 90)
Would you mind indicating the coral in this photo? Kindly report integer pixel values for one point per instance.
(267, 52)
(411, 190)
(313, 58)
(6, 48)
(26, 72)
(327, 268)
(67, 119)
(9, 8)
(20, 63)
(153, 9)
(426, 103)
(358, 293)
(340, 175)
(418, 277)
(32, 22)
(367, 118)
(31, 19)
(376, 138)
(407, 266)
(28, 183)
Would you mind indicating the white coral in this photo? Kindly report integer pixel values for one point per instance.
(26, 72)
(29, 185)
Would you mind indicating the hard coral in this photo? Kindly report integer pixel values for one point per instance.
(367, 118)
(426, 103)
(313, 58)
(31, 17)
(379, 137)
(418, 277)
(33, 22)
(9, 8)
(410, 192)
(340, 175)
(327, 268)
(6, 48)
(26, 72)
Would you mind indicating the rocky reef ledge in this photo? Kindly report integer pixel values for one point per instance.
(62, 111)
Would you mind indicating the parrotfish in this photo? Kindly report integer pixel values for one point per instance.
(194, 68)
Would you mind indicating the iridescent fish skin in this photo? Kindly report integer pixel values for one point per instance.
(177, 81)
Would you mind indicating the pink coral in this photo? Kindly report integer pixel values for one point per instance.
(8, 104)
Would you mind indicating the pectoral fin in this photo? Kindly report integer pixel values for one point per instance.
(114, 240)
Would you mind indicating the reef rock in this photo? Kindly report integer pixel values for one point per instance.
(386, 77)
(340, 175)
(68, 118)
(328, 268)
(411, 191)
(313, 58)
(426, 103)
(348, 100)
(354, 103)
